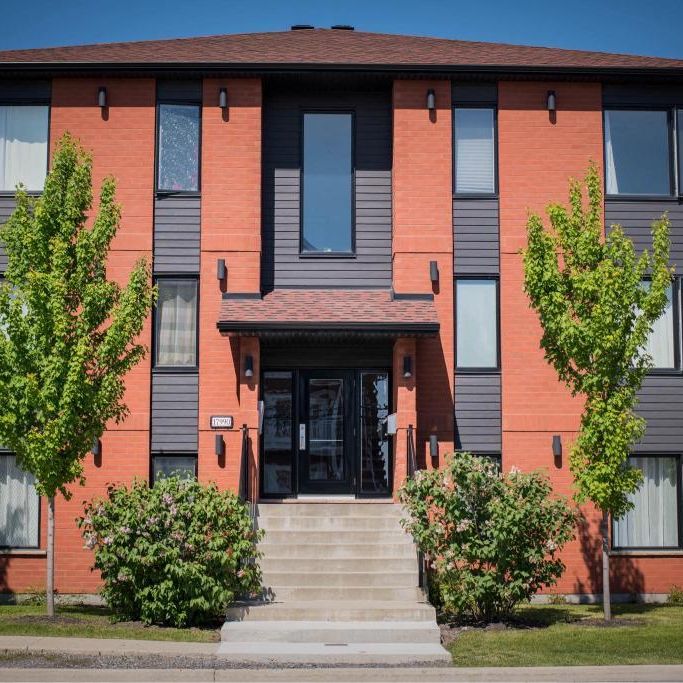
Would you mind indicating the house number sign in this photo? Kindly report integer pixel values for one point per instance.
(221, 422)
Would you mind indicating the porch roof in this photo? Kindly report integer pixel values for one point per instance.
(329, 312)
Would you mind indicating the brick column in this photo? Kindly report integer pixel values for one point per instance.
(423, 232)
(405, 405)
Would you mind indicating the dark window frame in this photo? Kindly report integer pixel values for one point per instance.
(192, 454)
(157, 145)
(679, 508)
(678, 147)
(303, 254)
(676, 299)
(492, 370)
(476, 195)
(191, 369)
(7, 454)
(673, 180)
(31, 102)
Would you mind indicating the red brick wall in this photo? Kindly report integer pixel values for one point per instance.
(423, 232)
(122, 144)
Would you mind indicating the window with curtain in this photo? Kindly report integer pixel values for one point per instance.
(476, 326)
(19, 506)
(679, 132)
(178, 155)
(23, 146)
(653, 521)
(474, 150)
(637, 152)
(327, 183)
(661, 342)
(181, 466)
(176, 323)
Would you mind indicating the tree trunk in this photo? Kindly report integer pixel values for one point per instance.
(50, 556)
(606, 598)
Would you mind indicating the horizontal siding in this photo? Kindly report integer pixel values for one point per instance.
(176, 234)
(661, 404)
(477, 412)
(476, 236)
(283, 266)
(7, 205)
(175, 404)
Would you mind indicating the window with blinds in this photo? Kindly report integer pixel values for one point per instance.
(474, 150)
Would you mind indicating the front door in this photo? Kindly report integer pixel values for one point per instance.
(326, 432)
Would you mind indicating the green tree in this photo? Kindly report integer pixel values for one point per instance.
(67, 334)
(596, 315)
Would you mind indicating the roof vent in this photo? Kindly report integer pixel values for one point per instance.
(301, 27)
(343, 27)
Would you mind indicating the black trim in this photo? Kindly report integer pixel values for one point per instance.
(242, 295)
(396, 296)
(321, 326)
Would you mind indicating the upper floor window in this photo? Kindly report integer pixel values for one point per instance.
(476, 323)
(23, 146)
(327, 205)
(19, 506)
(474, 150)
(178, 155)
(175, 323)
(638, 152)
(662, 342)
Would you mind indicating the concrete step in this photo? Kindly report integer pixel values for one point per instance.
(331, 653)
(276, 561)
(331, 538)
(324, 593)
(355, 508)
(331, 631)
(356, 551)
(332, 610)
(340, 579)
(316, 523)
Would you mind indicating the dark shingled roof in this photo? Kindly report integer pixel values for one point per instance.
(333, 47)
(329, 310)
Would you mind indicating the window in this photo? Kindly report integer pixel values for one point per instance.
(178, 162)
(474, 150)
(176, 323)
(19, 506)
(182, 466)
(327, 183)
(661, 345)
(23, 146)
(654, 520)
(637, 153)
(278, 405)
(476, 328)
(679, 133)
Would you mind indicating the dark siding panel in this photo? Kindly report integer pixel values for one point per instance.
(180, 90)
(661, 404)
(642, 95)
(24, 90)
(175, 405)
(475, 236)
(477, 412)
(7, 205)
(474, 93)
(282, 264)
(176, 234)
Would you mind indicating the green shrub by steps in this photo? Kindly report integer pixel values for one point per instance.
(492, 539)
(177, 553)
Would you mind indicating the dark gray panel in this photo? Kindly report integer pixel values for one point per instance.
(320, 355)
(179, 90)
(282, 266)
(661, 404)
(7, 205)
(176, 234)
(24, 90)
(478, 412)
(175, 405)
(476, 236)
(657, 95)
(636, 216)
(474, 93)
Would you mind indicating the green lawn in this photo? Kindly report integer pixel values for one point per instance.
(89, 622)
(572, 635)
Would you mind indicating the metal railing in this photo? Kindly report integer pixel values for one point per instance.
(423, 578)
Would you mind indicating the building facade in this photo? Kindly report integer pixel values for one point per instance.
(335, 220)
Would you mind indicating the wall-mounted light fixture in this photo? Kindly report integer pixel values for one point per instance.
(220, 445)
(223, 98)
(434, 271)
(433, 446)
(557, 446)
(249, 366)
(551, 102)
(102, 97)
(407, 366)
(431, 100)
(221, 269)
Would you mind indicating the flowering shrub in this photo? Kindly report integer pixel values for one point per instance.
(177, 553)
(492, 539)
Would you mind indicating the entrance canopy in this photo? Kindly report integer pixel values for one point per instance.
(329, 312)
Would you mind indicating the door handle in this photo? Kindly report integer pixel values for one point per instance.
(302, 437)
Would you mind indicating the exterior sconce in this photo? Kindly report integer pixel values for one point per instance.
(221, 270)
(102, 97)
(220, 446)
(433, 446)
(96, 449)
(223, 98)
(407, 366)
(431, 100)
(551, 101)
(557, 446)
(434, 271)
(249, 366)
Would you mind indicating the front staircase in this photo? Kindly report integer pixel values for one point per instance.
(341, 585)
